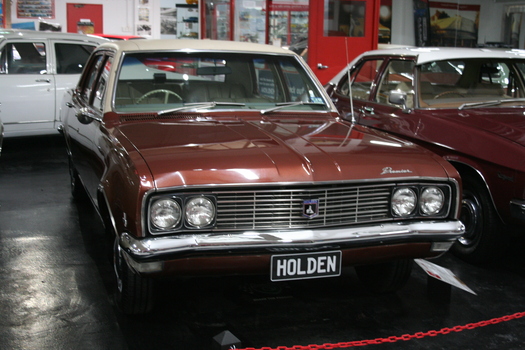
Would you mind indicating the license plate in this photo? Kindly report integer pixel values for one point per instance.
(302, 266)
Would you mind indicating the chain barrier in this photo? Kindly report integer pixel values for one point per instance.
(393, 339)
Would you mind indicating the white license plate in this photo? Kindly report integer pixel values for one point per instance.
(307, 265)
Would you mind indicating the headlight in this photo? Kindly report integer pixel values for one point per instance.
(432, 200)
(200, 212)
(404, 201)
(165, 214)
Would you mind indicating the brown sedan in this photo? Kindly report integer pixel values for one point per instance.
(207, 157)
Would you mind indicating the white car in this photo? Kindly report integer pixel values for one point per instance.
(36, 68)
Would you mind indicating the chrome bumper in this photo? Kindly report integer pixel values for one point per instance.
(159, 248)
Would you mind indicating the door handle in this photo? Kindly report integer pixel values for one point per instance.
(367, 109)
(321, 66)
(43, 80)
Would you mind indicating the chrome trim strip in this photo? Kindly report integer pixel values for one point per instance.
(156, 247)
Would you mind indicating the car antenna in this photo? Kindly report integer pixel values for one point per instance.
(349, 82)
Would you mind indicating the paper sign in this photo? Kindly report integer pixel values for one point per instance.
(442, 274)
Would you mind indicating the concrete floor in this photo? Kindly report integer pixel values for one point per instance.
(56, 286)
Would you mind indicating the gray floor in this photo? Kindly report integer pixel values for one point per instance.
(56, 287)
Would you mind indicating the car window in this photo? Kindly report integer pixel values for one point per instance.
(100, 90)
(453, 83)
(71, 58)
(89, 83)
(398, 75)
(362, 79)
(160, 81)
(24, 58)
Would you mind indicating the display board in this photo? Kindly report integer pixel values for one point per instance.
(35, 9)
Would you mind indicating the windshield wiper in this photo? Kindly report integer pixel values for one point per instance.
(489, 103)
(291, 104)
(199, 105)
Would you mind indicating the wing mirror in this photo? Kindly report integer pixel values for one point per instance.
(398, 97)
(84, 116)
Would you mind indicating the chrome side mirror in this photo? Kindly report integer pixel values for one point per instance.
(398, 97)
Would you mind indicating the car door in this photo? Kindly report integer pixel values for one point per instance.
(352, 93)
(373, 80)
(380, 111)
(69, 60)
(27, 88)
(84, 117)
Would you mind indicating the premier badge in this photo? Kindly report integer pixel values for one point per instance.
(310, 208)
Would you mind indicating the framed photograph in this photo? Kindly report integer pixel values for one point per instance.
(35, 9)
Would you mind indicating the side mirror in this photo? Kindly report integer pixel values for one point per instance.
(398, 97)
(84, 116)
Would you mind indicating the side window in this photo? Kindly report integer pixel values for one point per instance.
(362, 79)
(71, 58)
(100, 91)
(89, 83)
(24, 58)
(398, 75)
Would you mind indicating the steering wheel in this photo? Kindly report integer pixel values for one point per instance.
(448, 93)
(166, 93)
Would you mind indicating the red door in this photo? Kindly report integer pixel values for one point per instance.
(339, 31)
(84, 18)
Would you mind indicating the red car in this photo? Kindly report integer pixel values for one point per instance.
(235, 161)
(467, 105)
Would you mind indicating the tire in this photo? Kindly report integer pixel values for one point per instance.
(386, 277)
(484, 239)
(134, 294)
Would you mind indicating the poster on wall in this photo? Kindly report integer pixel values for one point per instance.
(453, 24)
(422, 22)
(168, 19)
(385, 21)
(35, 8)
(143, 19)
(2, 25)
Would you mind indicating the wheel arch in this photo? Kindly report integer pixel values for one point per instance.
(466, 169)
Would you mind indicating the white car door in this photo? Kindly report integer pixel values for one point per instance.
(33, 79)
(27, 89)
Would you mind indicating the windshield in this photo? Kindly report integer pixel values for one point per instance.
(471, 83)
(180, 81)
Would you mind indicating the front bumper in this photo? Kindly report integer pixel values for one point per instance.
(149, 255)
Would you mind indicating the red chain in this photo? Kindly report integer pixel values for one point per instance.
(394, 339)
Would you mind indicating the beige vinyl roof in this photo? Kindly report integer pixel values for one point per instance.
(197, 45)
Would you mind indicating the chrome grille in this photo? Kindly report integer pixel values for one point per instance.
(283, 208)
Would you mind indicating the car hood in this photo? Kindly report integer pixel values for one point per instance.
(508, 123)
(267, 150)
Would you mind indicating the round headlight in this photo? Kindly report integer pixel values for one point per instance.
(165, 214)
(404, 201)
(432, 200)
(200, 212)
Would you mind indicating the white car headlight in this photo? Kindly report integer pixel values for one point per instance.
(199, 212)
(432, 200)
(165, 214)
(404, 201)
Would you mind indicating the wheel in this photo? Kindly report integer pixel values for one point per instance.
(74, 181)
(134, 293)
(166, 93)
(444, 93)
(484, 239)
(386, 277)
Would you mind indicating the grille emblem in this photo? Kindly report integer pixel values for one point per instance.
(310, 208)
